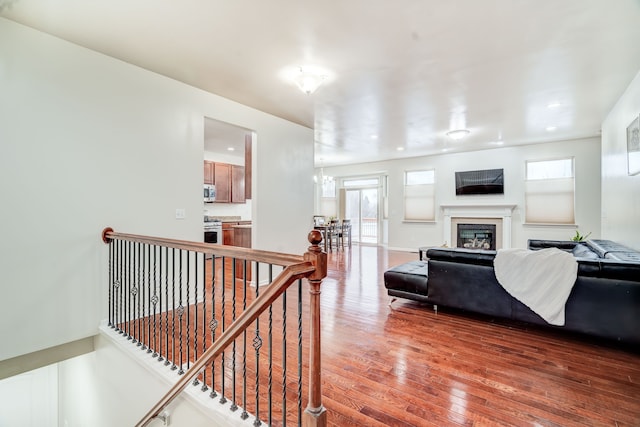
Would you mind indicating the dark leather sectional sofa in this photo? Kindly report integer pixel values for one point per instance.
(604, 301)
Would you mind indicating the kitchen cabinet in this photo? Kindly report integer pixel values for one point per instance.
(237, 184)
(230, 237)
(228, 179)
(227, 232)
(242, 238)
(222, 178)
(208, 172)
(247, 167)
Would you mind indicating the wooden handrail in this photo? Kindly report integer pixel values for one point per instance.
(269, 257)
(313, 266)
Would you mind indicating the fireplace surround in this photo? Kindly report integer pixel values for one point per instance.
(497, 214)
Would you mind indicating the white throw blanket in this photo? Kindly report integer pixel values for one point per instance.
(542, 280)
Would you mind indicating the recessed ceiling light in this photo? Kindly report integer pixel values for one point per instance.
(400, 148)
(457, 133)
(551, 128)
(230, 149)
(374, 136)
(553, 105)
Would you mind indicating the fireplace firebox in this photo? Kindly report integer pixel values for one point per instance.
(477, 236)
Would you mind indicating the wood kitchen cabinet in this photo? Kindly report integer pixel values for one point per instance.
(242, 238)
(237, 184)
(222, 177)
(247, 166)
(228, 179)
(227, 232)
(208, 172)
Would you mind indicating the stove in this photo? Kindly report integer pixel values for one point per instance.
(212, 231)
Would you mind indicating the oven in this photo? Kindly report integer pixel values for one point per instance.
(213, 231)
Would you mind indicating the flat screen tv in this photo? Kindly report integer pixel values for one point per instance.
(488, 181)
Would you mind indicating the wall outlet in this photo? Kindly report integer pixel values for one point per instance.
(181, 213)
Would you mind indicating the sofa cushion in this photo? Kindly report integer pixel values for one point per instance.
(408, 277)
(582, 251)
(624, 256)
(603, 247)
(565, 245)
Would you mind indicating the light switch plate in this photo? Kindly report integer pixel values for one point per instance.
(181, 213)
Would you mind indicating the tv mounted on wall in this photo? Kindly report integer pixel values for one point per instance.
(488, 181)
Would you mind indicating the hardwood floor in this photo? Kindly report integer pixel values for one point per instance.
(406, 365)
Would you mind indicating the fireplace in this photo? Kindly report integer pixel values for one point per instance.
(498, 215)
(476, 236)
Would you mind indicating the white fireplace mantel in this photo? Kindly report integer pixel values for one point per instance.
(501, 211)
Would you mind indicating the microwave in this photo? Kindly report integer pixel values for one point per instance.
(209, 193)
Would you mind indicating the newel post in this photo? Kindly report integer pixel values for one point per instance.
(315, 414)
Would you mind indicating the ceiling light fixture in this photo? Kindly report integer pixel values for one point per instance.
(308, 81)
(457, 133)
(551, 128)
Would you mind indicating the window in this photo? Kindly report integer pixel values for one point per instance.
(363, 182)
(419, 195)
(328, 187)
(549, 192)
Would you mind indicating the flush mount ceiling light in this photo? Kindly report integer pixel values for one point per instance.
(309, 80)
(457, 134)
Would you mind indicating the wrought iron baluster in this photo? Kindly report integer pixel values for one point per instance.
(128, 332)
(138, 292)
(195, 313)
(234, 406)
(173, 310)
(270, 374)
(223, 310)
(299, 351)
(257, 344)
(135, 293)
(180, 312)
(109, 302)
(121, 288)
(188, 310)
(166, 318)
(213, 325)
(146, 292)
(204, 317)
(244, 415)
(155, 299)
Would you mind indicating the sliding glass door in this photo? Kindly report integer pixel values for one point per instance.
(361, 206)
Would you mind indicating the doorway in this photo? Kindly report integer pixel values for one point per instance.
(361, 206)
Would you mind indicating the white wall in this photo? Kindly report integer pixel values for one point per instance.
(30, 399)
(96, 396)
(410, 236)
(87, 142)
(620, 192)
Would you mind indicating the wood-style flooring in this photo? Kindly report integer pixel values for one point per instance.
(406, 365)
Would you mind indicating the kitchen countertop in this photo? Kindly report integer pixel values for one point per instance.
(223, 218)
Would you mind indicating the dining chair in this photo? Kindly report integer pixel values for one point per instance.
(345, 232)
(333, 234)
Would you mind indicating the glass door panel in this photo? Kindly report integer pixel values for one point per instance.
(361, 206)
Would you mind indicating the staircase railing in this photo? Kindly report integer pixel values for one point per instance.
(194, 305)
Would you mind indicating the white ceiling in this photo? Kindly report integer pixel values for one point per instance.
(403, 73)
